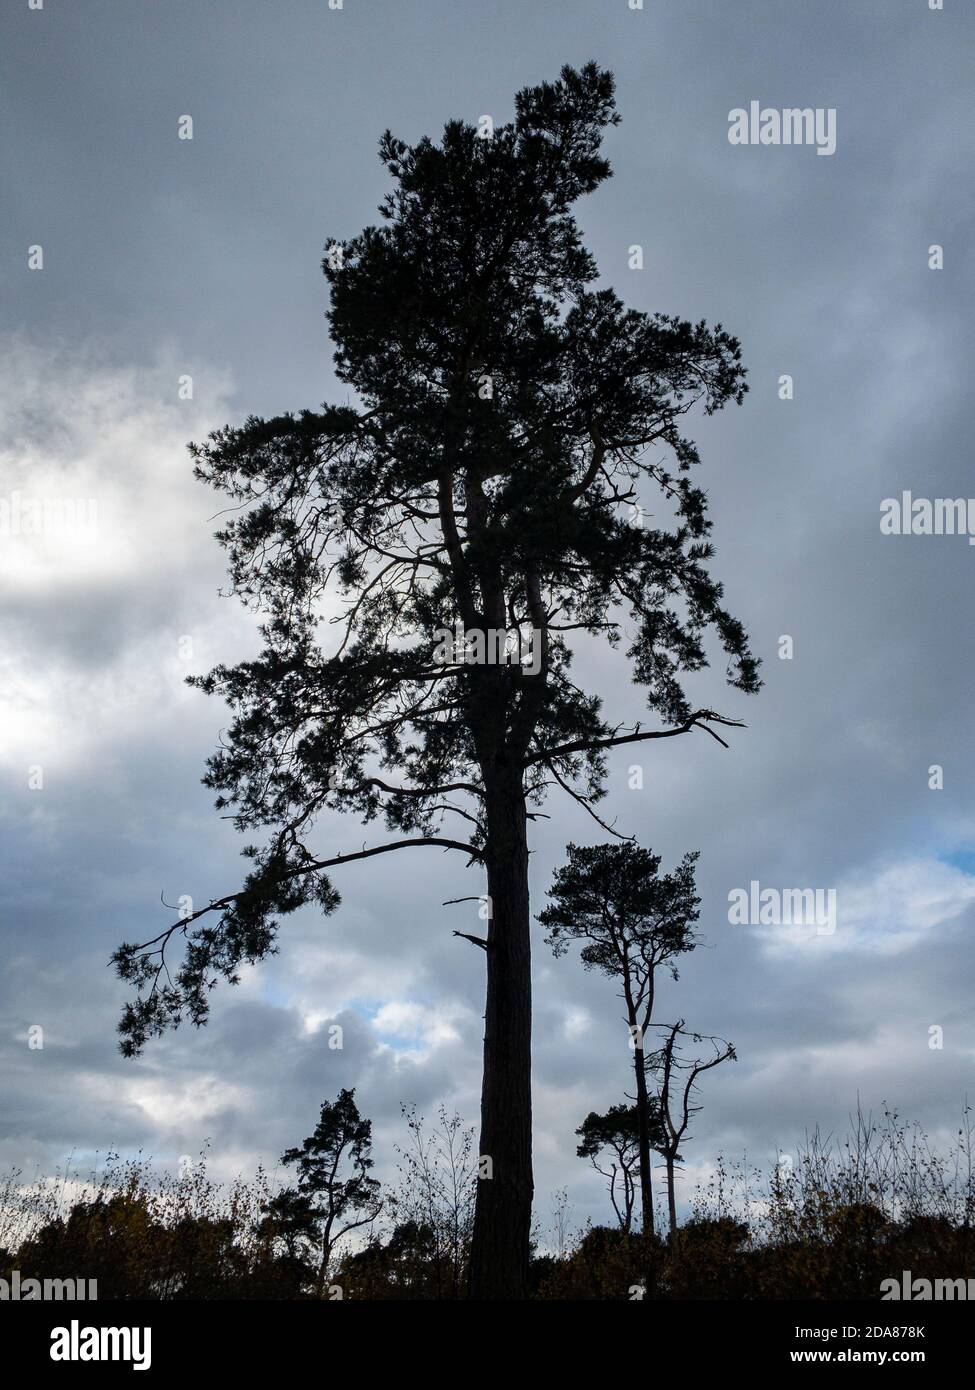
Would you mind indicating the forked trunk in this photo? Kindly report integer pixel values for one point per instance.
(502, 1214)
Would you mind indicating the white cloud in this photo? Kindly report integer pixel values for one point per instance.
(884, 910)
(97, 610)
(577, 1023)
(79, 429)
(422, 1024)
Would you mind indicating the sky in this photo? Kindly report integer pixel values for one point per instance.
(165, 259)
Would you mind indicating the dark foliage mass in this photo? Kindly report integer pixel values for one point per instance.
(508, 416)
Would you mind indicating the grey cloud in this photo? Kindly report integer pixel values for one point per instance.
(206, 254)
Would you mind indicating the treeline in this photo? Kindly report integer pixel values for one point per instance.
(835, 1222)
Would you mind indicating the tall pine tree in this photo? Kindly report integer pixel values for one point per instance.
(486, 479)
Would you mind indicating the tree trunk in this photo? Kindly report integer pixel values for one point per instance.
(324, 1263)
(643, 1138)
(502, 1213)
(643, 1143)
(671, 1198)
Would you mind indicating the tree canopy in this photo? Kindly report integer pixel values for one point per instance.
(506, 415)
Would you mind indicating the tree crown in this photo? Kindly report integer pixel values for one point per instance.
(485, 479)
(629, 916)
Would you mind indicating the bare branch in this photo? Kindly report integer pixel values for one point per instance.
(312, 866)
(698, 720)
(584, 803)
(477, 940)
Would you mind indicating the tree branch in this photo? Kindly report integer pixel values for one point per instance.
(217, 904)
(477, 940)
(698, 720)
(584, 803)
